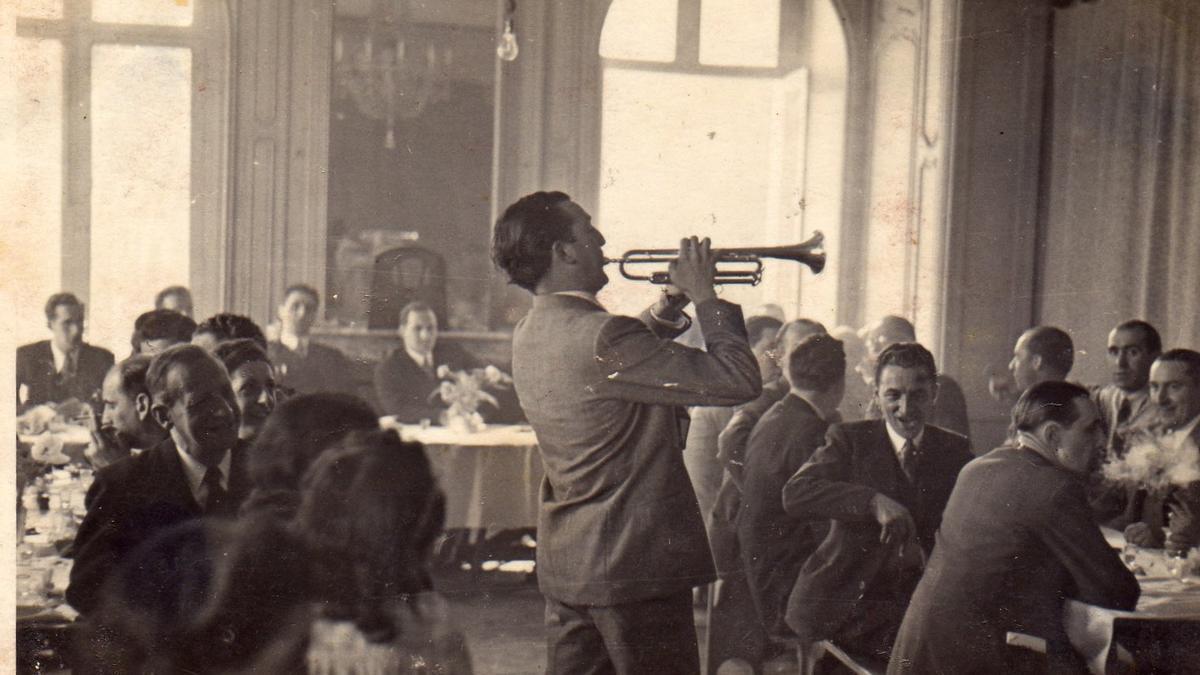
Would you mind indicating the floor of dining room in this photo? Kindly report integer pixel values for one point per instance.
(501, 615)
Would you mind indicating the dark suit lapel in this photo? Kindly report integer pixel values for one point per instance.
(169, 469)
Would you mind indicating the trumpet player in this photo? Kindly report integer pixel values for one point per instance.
(621, 542)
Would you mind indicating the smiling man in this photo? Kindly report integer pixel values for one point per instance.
(197, 471)
(1170, 518)
(883, 484)
(406, 380)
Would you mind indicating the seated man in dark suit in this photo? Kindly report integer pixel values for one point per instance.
(1169, 517)
(406, 380)
(301, 365)
(1040, 354)
(1016, 539)
(883, 484)
(158, 329)
(197, 471)
(950, 411)
(63, 367)
(774, 545)
(126, 425)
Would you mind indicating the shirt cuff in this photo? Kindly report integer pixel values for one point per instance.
(682, 323)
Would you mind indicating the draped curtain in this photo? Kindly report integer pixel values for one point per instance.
(1120, 215)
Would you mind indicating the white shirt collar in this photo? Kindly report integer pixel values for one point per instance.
(898, 441)
(195, 471)
(294, 342)
(1184, 432)
(419, 358)
(60, 357)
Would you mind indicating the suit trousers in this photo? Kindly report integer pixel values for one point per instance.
(651, 637)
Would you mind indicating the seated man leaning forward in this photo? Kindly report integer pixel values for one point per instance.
(1016, 539)
(883, 484)
(126, 425)
(406, 380)
(1169, 517)
(621, 541)
(774, 545)
(197, 471)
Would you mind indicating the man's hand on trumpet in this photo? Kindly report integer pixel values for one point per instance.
(691, 278)
(692, 272)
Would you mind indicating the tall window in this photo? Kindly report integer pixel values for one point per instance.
(706, 124)
(120, 147)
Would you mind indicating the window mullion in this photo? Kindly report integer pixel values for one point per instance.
(77, 150)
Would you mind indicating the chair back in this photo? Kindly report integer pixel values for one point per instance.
(402, 275)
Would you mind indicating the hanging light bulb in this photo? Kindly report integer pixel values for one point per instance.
(507, 49)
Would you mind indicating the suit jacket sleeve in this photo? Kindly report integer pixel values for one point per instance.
(731, 444)
(1069, 531)
(637, 365)
(822, 488)
(97, 543)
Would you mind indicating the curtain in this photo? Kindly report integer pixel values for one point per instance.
(1120, 217)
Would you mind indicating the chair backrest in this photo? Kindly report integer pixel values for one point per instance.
(402, 275)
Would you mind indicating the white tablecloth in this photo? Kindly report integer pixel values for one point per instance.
(492, 478)
(1090, 628)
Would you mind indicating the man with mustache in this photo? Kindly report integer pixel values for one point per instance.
(1125, 402)
(1170, 518)
(126, 425)
(197, 471)
(883, 485)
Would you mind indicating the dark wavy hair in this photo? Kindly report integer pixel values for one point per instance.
(525, 234)
(370, 513)
(295, 434)
(226, 327)
(906, 355)
(1048, 401)
(237, 353)
(158, 324)
(817, 363)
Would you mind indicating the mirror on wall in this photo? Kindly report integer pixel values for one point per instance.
(410, 160)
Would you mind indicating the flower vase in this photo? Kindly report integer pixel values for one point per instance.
(460, 420)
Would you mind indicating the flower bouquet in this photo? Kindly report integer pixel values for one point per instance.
(1152, 463)
(463, 391)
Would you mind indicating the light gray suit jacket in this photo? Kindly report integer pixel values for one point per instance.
(619, 520)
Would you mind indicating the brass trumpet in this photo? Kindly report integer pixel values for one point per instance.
(746, 263)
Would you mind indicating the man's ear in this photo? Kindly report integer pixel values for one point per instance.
(141, 403)
(159, 412)
(1053, 432)
(1036, 361)
(563, 250)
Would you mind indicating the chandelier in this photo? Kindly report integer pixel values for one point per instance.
(391, 69)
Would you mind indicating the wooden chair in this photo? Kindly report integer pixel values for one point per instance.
(860, 665)
(402, 275)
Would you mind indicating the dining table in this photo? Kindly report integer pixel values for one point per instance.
(491, 477)
(1162, 634)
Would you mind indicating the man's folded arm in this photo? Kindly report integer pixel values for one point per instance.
(1067, 527)
(821, 489)
(639, 366)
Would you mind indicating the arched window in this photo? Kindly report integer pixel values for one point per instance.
(724, 118)
(121, 147)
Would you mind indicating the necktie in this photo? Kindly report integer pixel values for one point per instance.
(214, 494)
(908, 460)
(1116, 435)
